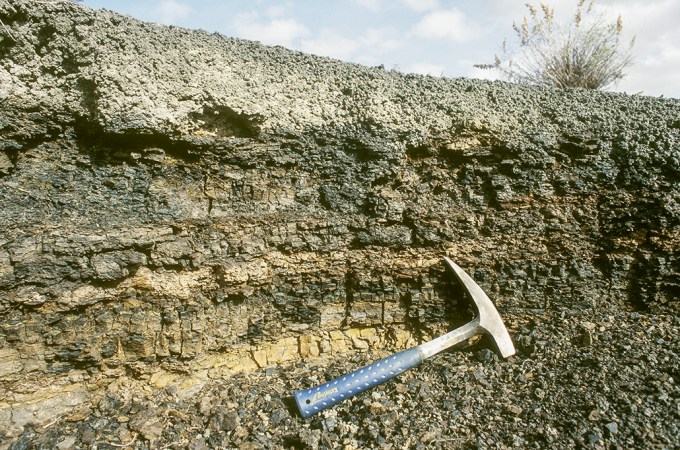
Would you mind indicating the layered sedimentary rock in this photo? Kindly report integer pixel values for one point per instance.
(175, 202)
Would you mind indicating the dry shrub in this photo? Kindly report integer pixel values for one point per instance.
(583, 53)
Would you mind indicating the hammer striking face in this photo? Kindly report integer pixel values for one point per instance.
(487, 321)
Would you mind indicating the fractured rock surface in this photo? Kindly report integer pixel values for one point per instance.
(178, 206)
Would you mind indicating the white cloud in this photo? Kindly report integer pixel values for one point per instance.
(333, 44)
(275, 11)
(371, 5)
(421, 5)
(483, 74)
(654, 71)
(272, 31)
(365, 48)
(449, 24)
(381, 39)
(656, 54)
(169, 11)
(516, 10)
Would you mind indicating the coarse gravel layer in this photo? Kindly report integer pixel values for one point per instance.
(578, 380)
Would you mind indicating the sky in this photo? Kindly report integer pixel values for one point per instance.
(432, 37)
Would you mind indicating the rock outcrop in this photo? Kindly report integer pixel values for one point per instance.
(177, 206)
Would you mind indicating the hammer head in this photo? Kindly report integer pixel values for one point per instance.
(489, 319)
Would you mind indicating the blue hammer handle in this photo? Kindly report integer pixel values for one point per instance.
(311, 401)
(488, 321)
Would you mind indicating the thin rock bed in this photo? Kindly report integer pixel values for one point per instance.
(578, 379)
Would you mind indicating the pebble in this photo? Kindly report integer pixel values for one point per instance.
(377, 408)
(485, 356)
(310, 438)
(612, 427)
(199, 444)
(171, 390)
(594, 437)
(594, 416)
(329, 424)
(228, 421)
(67, 443)
(277, 416)
(88, 436)
(516, 410)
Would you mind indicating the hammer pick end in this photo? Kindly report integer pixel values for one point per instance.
(490, 321)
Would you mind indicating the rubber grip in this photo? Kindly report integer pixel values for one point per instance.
(311, 401)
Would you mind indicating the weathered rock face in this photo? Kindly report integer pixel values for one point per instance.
(177, 201)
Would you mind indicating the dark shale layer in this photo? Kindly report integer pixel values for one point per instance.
(191, 226)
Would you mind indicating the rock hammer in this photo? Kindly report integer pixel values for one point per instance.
(487, 321)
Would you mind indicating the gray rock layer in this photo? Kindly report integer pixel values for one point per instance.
(169, 195)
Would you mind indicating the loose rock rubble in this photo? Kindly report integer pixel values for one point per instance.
(194, 226)
(618, 391)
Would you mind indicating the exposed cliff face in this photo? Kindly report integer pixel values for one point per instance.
(175, 202)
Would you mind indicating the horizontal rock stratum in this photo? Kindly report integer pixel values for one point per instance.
(178, 206)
